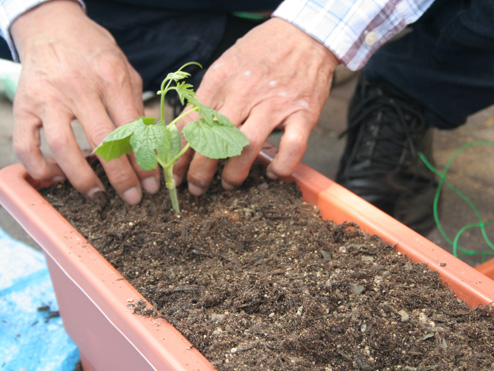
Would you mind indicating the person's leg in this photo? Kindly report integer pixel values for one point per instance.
(158, 37)
(158, 41)
(446, 63)
(5, 52)
(434, 76)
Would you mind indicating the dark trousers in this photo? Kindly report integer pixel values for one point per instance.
(446, 63)
(159, 36)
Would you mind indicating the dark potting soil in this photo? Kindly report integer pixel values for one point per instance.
(256, 280)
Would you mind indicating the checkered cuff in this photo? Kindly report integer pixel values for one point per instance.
(352, 29)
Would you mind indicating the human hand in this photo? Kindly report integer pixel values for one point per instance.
(276, 76)
(72, 68)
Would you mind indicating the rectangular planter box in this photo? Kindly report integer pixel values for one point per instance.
(94, 298)
(487, 268)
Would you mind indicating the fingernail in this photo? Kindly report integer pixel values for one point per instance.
(228, 186)
(178, 179)
(271, 175)
(57, 179)
(196, 190)
(132, 195)
(93, 191)
(151, 184)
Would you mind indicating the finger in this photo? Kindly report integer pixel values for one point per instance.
(261, 121)
(200, 175)
(182, 165)
(97, 125)
(293, 144)
(123, 99)
(66, 152)
(26, 145)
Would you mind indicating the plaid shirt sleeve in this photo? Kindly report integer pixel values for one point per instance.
(352, 29)
(9, 11)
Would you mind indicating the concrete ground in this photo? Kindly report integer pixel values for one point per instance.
(472, 172)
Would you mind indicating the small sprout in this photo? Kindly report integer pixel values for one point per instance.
(153, 143)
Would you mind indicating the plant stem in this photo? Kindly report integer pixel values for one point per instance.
(168, 168)
(172, 188)
(175, 159)
(178, 118)
(163, 92)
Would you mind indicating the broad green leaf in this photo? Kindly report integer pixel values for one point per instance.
(145, 142)
(148, 120)
(117, 142)
(212, 116)
(215, 141)
(175, 142)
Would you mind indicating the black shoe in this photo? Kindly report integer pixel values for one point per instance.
(380, 163)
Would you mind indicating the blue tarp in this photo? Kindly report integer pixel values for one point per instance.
(32, 336)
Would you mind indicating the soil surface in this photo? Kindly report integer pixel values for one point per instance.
(256, 280)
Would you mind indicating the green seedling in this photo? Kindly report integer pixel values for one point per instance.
(153, 143)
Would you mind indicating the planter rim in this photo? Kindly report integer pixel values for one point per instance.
(165, 347)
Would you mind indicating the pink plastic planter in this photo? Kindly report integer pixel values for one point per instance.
(487, 268)
(94, 298)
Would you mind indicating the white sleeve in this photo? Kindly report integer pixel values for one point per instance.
(352, 29)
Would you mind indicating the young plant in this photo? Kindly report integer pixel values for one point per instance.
(212, 134)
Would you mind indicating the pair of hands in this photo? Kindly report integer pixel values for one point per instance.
(276, 76)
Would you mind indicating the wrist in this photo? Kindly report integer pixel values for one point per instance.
(33, 21)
